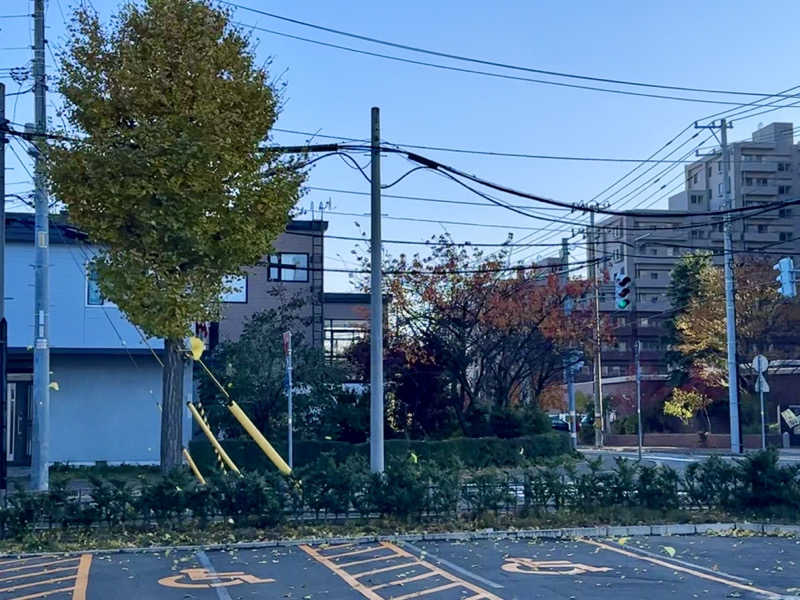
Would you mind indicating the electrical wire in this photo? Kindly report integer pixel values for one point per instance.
(490, 62)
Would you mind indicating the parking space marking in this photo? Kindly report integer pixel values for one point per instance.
(452, 566)
(690, 571)
(395, 552)
(24, 575)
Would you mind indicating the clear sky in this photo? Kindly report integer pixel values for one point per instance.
(726, 45)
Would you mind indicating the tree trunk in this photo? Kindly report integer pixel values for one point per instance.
(171, 405)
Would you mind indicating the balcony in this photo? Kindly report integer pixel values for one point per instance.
(759, 190)
(757, 166)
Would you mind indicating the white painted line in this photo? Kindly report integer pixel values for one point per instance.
(222, 592)
(637, 549)
(425, 555)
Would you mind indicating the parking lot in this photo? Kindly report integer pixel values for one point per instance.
(655, 568)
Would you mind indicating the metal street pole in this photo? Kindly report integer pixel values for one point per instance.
(637, 353)
(763, 419)
(569, 369)
(376, 304)
(41, 351)
(3, 323)
(598, 384)
(287, 349)
(730, 297)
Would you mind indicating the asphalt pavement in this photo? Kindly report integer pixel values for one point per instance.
(675, 459)
(655, 568)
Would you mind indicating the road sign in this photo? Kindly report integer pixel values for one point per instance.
(761, 384)
(760, 364)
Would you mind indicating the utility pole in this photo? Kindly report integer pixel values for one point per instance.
(3, 323)
(287, 351)
(41, 351)
(637, 352)
(598, 385)
(569, 369)
(376, 304)
(730, 297)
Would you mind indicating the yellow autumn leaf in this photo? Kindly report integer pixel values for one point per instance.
(669, 550)
(197, 346)
(622, 541)
(53, 385)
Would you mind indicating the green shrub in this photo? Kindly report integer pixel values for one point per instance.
(488, 490)
(472, 452)
(113, 498)
(710, 484)
(765, 487)
(657, 488)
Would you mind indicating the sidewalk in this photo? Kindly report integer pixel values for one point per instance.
(683, 450)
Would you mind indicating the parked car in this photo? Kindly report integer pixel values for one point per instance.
(558, 423)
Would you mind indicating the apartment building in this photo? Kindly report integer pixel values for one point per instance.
(647, 244)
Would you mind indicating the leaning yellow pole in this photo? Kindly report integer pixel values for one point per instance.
(193, 467)
(259, 438)
(231, 465)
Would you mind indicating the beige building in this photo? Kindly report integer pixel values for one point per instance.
(647, 244)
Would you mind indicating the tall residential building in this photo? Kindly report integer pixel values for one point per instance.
(647, 244)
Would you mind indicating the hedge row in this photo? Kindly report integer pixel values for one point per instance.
(475, 453)
(412, 489)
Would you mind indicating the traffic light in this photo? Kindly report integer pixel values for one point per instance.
(622, 285)
(785, 268)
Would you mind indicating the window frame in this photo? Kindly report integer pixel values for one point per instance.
(279, 266)
(246, 290)
(106, 303)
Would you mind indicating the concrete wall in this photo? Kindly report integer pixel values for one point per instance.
(73, 324)
(108, 407)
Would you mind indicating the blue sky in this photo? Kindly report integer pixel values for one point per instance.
(710, 44)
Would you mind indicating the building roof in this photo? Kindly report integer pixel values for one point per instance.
(20, 228)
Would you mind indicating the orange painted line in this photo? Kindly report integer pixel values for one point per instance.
(349, 579)
(22, 586)
(674, 567)
(404, 580)
(45, 572)
(470, 586)
(22, 560)
(475, 597)
(364, 561)
(433, 590)
(343, 554)
(385, 569)
(47, 564)
(82, 579)
(43, 594)
(337, 546)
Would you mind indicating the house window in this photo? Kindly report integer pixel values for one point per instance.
(654, 298)
(618, 231)
(762, 229)
(653, 251)
(696, 199)
(785, 212)
(341, 334)
(617, 255)
(785, 236)
(784, 189)
(644, 322)
(237, 289)
(653, 275)
(761, 181)
(676, 251)
(694, 178)
(719, 167)
(748, 181)
(719, 189)
(288, 267)
(94, 297)
(784, 166)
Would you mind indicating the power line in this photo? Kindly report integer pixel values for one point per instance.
(490, 62)
(484, 73)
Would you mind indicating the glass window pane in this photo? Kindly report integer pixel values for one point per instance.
(297, 263)
(237, 285)
(93, 295)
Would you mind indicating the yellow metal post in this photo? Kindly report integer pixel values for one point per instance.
(231, 465)
(259, 438)
(193, 467)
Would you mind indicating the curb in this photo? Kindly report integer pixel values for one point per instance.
(461, 536)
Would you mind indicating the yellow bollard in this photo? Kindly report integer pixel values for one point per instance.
(231, 465)
(259, 438)
(193, 467)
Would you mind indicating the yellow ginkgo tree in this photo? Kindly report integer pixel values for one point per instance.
(160, 163)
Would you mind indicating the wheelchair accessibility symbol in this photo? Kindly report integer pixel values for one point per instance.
(549, 567)
(202, 578)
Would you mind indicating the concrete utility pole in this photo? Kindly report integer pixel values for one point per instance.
(730, 294)
(3, 324)
(41, 351)
(598, 384)
(569, 369)
(287, 350)
(376, 305)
